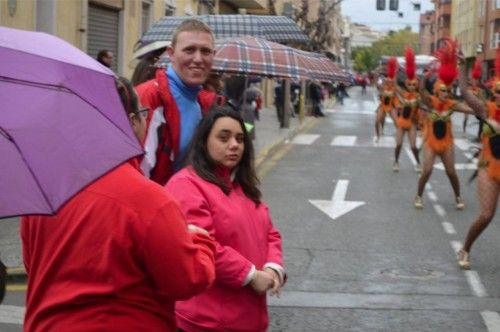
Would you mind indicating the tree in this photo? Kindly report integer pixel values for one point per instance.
(395, 42)
(365, 59)
(319, 31)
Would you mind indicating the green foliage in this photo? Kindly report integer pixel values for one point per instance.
(394, 44)
(367, 58)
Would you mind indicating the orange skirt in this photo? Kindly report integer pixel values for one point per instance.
(438, 145)
(492, 162)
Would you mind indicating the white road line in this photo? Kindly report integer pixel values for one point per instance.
(491, 320)
(475, 284)
(440, 210)
(462, 143)
(343, 140)
(428, 186)
(305, 139)
(410, 155)
(432, 196)
(11, 314)
(456, 246)
(448, 227)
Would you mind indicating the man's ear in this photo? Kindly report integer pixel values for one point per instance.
(170, 51)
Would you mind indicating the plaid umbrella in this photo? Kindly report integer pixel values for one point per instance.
(279, 29)
(254, 56)
(320, 67)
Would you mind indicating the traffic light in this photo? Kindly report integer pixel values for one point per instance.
(393, 5)
(380, 4)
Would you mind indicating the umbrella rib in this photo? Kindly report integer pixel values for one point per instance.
(34, 84)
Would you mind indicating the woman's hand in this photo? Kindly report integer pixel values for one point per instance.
(276, 288)
(262, 282)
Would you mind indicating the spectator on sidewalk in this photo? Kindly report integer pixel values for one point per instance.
(105, 57)
(219, 192)
(116, 256)
(146, 68)
(172, 99)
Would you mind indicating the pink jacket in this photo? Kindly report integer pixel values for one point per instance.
(244, 237)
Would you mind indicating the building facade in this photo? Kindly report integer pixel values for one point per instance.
(426, 32)
(116, 25)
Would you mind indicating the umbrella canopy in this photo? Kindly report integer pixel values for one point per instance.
(254, 56)
(279, 29)
(320, 67)
(62, 123)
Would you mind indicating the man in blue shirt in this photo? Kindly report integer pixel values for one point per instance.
(172, 99)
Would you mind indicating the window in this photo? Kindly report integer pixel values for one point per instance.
(146, 16)
(497, 4)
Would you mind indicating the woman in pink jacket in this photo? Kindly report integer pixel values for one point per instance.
(218, 192)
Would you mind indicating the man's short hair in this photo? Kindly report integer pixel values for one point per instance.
(191, 25)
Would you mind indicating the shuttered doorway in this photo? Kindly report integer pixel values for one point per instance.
(103, 32)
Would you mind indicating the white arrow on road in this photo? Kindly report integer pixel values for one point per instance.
(337, 206)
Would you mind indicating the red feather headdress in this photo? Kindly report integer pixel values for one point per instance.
(392, 65)
(476, 70)
(410, 63)
(447, 55)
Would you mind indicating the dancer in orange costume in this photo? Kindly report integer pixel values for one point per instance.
(476, 89)
(407, 111)
(388, 99)
(488, 174)
(438, 136)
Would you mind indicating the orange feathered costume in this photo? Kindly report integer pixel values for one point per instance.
(438, 129)
(388, 99)
(408, 113)
(490, 137)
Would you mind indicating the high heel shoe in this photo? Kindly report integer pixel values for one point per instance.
(463, 259)
(460, 203)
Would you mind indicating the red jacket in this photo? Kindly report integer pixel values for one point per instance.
(245, 236)
(208, 98)
(163, 127)
(114, 258)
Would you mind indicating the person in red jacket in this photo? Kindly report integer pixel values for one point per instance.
(172, 99)
(211, 94)
(116, 256)
(218, 192)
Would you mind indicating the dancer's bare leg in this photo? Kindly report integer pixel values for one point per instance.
(448, 159)
(487, 191)
(427, 166)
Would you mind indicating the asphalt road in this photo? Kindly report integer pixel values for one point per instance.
(383, 265)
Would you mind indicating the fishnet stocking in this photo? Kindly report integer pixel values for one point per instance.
(487, 191)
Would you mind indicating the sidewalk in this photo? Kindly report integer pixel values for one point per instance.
(269, 137)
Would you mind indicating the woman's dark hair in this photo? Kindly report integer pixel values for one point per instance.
(205, 166)
(127, 94)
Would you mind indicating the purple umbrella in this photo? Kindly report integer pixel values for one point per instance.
(62, 123)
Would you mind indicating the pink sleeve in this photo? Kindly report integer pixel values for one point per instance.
(274, 250)
(231, 267)
(181, 263)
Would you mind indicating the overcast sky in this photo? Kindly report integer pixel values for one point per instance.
(364, 11)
